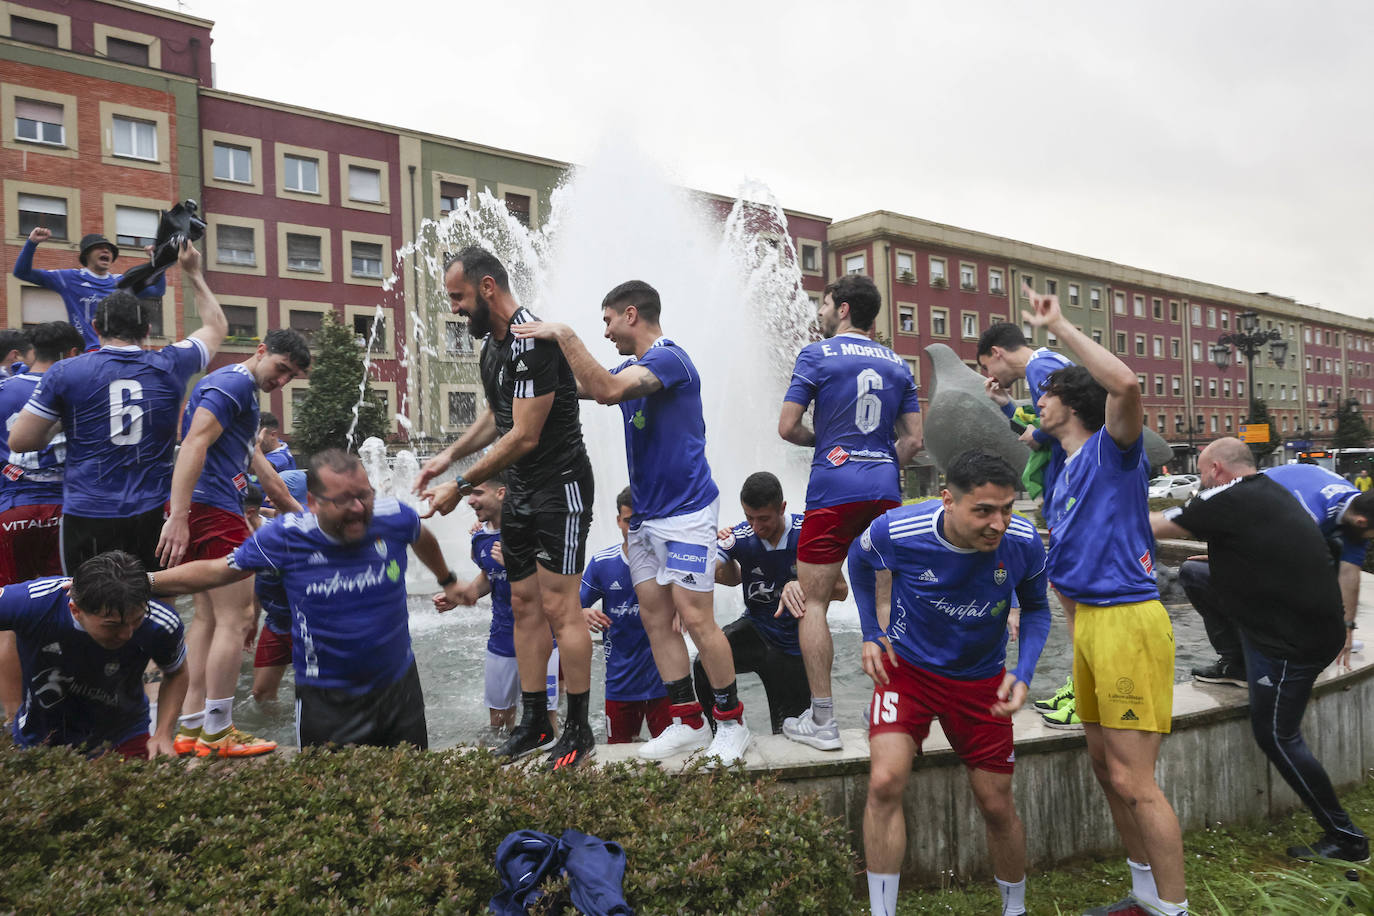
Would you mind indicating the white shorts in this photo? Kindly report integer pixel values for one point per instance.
(680, 550)
(502, 675)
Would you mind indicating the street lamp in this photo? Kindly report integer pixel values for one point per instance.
(1249, 340)
(1181, 428)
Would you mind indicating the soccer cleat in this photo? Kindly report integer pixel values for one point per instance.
(1346, 849)
(184, 744)
(525, 739)
(1062, 695)
(575, 747)
(1221, 672)
(731, 741)
(233, 743)
(803, 729)
(676, 739)
(1127, 907)
(1065, 717)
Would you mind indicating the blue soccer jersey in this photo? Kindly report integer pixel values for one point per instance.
(501, 638)
(665, 438)
(631, 674)
(276, 609)
(1043, 363)
(29, 478)
(950, 604)
(350, 628)
(764, 569)
(81, 290)
(118, 407)
(75, 692)
(1101, 546)
(281, 458)
(231, 395)
(860, 388)
(1324, 494)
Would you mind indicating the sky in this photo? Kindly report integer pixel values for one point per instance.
(1229, 142)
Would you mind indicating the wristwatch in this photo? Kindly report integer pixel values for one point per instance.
(448, 580)
(464, 488)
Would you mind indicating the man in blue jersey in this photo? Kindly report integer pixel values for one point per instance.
(866, 427)
(672, 549)
(1345, 516)
(118, 408)
(760, 555)
(634, 691)
(30, 494)
(1102, 557)
(84, 643)
(16, 352)
(343, 566)
(938, 649)
(82, 289)
(273, 651)
(269, 440)
(205, 521)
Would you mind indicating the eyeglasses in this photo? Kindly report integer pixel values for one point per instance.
(347, 500)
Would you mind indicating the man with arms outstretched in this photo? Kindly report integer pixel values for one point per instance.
(531, 425)
(867, 426)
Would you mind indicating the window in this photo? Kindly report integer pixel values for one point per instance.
(970, 325)
(939, 322)
(49, 212)
(1306, 335)
(1121, 341)
(152, 309)
(306, 321)
(1211, 317)
(811, 257)
(1226, 387)
(1201, 420)
(1226, 320)
(1158, 350)
(1095, 298)
(128, 52)
(1027, 331)
(906, 265)
(366, 185)
(457, 340)
(38, 306)
(363, 325)
(518, 206)
(243, 320)
(1097, 335)
(301, 174)
(968, 276)
(234, 245)
(1140, 380)
(995, 285)
(1050, 338)
(1213, 425)
(33, 31)
(937, 272)
(1052, 287)
(135, 139)
(1159, 385)
(1326, 338)
(1119, 303)
(233, 163)
(906, 319)
(1211, 387)
(1073, 294)
(1173, 310)
(1026, 280)
(39, 122)
(1283, 392)
(1157, 308)
(1161, 424)
(1140, 345)
(462, 408)
(1197, 387)
(1197, 351)
(303, 253)
(1176, 385)
(854, 263)
(1308, 361)
(1139, 304)
(1175, 347)
(135, 226)
(367, 260)
(1197, 316)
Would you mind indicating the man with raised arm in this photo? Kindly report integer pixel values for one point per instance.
(672, 549)
(531, 425)
(866, 427)
(119, 408)
(938, 649)
(1102, 557)
(205, 520)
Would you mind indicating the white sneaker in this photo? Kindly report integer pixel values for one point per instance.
(731, 741)
(677, 738)
(803, 728)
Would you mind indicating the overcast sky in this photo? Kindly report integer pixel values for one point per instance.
(1227, 142)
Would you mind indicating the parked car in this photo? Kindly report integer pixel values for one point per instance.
(1178, 486)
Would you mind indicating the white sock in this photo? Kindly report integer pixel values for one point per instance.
(152, 718)
(822, 710)
(194, 720)
(219, 715)
(1142, 882)
(1013, 897)
(882, 894)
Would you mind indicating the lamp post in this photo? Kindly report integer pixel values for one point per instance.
(1249, 340)
(1190, 465)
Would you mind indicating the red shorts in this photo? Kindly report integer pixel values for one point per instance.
(273, 649)
(914, 696)
(214, 533)
(30, 543)
(624, 717)
(826, 533)
(136, 748)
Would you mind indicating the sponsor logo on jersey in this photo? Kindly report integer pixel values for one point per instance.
(393, 571)
(999, 607)
(53, 648)
(317, 559)
(837, 456)
(616, 584)
(355, 583)
(928, 576)
(1000, 575)
(638, 421)
(24, 524)
(688, 558)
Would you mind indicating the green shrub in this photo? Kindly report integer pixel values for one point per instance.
(368, 830)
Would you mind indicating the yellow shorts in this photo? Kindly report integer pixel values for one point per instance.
(1123, 666)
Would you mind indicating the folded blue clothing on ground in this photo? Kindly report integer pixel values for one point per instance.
(595, 870)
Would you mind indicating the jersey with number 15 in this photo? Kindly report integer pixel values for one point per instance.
(860, 389)
(119, 408)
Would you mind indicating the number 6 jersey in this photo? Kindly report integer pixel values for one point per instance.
(119, 408)
(860, 389)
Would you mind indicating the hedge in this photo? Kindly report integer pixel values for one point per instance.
(377, 831)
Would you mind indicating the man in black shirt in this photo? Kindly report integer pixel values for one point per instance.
(531, 425)
(1273, 573)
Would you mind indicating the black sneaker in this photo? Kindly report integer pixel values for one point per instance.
(1221, 672)
(575, 746)
(526, 738)
(1347, 849)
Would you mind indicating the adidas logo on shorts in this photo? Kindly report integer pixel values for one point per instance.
(689, 579)
(616, 584)
(928, 576)
(1129, 716)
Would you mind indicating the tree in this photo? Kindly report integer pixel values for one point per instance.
(1351, 430)
(1259, 413)
(324, 418)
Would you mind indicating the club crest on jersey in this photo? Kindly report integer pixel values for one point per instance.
(111, 669)
(1000, 576)
(380, 546)
(638, 421)
(837, 456)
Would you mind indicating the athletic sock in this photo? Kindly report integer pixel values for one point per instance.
(822, 710)
(534, 708)
(1013, 896)
(882, 894)
(152, 718)
(1142, 881)
(577, 707)
(191, 723)
(680, 692)
(219, 715)
(726, 700)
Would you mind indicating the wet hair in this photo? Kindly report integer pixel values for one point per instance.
(17, 340)
(622, 500)
(336, 460)
(289, 343)
(862, 295)
(52, 340)
(268, 421)
(639, 294)
(111, 584)
(252, 497)
(1081, 393)
(121, 316)
(1002, 334)
(972, 469)
(478, 263)
(761, 490)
